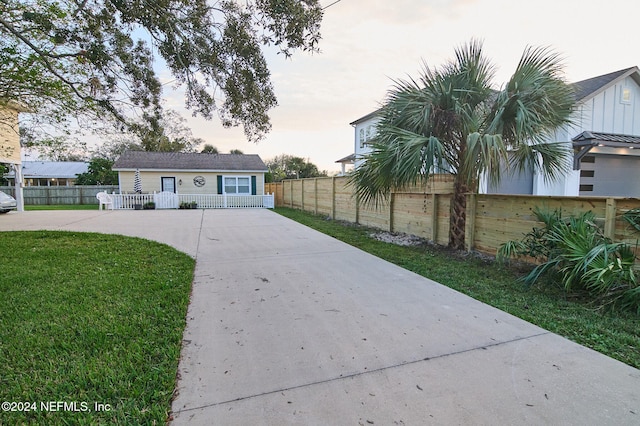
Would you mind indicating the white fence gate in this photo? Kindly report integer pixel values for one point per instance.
(166, 200)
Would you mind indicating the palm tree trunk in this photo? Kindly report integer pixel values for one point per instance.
(458, 219)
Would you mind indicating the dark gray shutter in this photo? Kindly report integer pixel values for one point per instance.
(253, 185)
(219, 184)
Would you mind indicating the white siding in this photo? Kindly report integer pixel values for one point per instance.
(606, 112)
(363, 132)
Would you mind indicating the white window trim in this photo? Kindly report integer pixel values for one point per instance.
(224, 184)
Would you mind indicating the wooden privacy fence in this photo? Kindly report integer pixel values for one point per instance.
(52, 195)
(425, 211)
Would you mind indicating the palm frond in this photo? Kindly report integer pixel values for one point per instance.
(410, 159)
(535, 102)
(553, 160)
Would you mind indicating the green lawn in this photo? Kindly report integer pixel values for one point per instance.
(90, 318)
(62, 207)
(614, 334)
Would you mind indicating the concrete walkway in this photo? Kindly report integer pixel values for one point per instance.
(289, 326)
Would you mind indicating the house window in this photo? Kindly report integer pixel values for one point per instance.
(588, 159)
(587, 173)
(586, 188)
(371, 131)
(237, 185)
(363, 138)
(625, 96)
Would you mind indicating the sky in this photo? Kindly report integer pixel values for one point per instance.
(366, 44)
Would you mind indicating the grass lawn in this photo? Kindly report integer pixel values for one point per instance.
(614, 334)
(90, 318)
(62, 207)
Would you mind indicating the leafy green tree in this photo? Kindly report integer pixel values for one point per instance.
(171, 134)
(290, 167)
(113, 149)
(58, 148)
(65, 58)
(209, 149)
(236, 151)
(98, 173)
(4, 169)
(451, 120)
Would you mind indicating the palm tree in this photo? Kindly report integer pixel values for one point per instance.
(451, 120)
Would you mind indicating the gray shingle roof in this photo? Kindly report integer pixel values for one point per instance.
(189, 161)
(607, 139)
(348, 159)
(366, 117)
(589, 86)
(52, 169)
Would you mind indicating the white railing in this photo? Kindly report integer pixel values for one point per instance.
(131, 201)
(168, 200)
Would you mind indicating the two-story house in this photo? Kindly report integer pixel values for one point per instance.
(605, 136)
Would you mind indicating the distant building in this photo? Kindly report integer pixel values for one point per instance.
(49, 173)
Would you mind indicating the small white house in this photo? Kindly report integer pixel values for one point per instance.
(191, 173)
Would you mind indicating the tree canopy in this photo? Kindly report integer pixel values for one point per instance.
(209, 149)
(76, 58)
(452, 120)
(99, 173)
(291, 167)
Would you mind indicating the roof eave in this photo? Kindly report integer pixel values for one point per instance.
(634, 72)
(142, 169)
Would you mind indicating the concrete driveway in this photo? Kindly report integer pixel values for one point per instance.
(289, 326)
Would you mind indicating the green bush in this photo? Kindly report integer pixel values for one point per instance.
(574, 251)
(188, 205)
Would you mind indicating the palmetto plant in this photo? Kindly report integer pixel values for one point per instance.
(452, 120)
(574, 252)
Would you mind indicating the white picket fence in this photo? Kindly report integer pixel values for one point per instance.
(169, 200)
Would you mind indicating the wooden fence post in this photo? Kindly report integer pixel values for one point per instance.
(434, 218)
(470, 225)
(315, 190)
(610, 219)
(291, 193)
(391, 200)
(333, 198)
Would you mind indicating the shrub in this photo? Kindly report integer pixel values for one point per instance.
(188, 205)
(574, 251)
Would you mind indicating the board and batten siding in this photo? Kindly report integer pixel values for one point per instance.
(606, 112)
(152, 181)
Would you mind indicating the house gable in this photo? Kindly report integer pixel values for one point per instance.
(613, 106)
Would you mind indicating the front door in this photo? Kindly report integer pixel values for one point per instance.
(169, 184)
